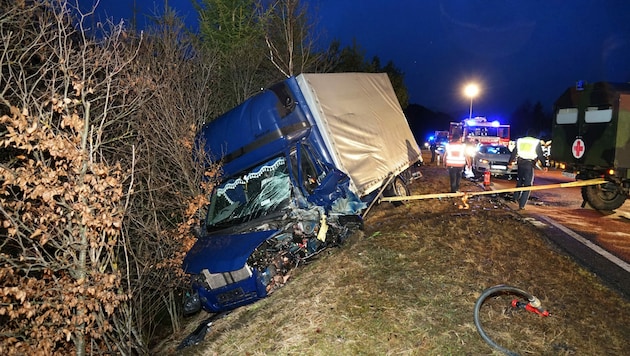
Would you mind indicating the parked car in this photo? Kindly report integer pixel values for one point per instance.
(493, 158)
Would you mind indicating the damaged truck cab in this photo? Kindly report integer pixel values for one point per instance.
(300, 160)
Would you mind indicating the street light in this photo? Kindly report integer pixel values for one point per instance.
(471, 90)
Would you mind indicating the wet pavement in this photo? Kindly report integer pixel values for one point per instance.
(600, 241)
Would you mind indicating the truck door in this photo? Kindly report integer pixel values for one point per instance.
(321, 184)
(565, 130)
(598, 136)
(307, 170)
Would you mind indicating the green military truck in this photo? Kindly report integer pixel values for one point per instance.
(591, 139)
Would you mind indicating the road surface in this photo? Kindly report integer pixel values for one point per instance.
(598, 240)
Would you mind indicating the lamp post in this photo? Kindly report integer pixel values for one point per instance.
(471, 90)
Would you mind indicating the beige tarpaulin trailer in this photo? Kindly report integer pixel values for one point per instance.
(363, 125)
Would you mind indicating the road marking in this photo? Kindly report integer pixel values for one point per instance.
(607, 255)
(535, 222)
(623, 215)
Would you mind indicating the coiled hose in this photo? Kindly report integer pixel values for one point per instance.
(505, 289)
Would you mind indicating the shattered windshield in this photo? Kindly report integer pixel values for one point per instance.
(260, 191)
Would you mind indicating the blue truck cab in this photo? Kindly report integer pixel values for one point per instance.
(301, 161)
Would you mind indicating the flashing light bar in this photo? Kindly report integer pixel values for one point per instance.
(473, 122)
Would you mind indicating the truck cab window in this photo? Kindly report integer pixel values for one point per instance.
(286, 102)
(309, 173)
(305, 169)
(567, 116)
(597, 114)
(263, 190)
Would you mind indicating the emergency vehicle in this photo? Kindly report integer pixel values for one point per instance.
(591, 139)
(481, 131)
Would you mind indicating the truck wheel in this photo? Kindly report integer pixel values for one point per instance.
(398, 188)
(605, 196)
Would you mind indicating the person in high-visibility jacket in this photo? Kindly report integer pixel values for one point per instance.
(526, 154)
(455, 160)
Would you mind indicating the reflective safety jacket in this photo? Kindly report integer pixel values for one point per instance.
(455, 155)
(526, 148)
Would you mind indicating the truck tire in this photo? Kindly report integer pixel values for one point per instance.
(398, 188)
(605, 196)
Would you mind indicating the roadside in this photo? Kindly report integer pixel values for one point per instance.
(407, 284)
(598, 241)
(608, 229)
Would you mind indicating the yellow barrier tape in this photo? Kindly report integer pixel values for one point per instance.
(580, 183)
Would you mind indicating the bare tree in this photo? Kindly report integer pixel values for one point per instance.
(61, 199)
(170, 182)
(99, 188)
(290, 36)
(233, 31)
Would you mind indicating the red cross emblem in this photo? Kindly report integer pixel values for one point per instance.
(578, 148)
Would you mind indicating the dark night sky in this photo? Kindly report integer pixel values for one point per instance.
(516, 50)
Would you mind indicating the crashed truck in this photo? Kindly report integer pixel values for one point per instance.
(591, 139)
(301, 161)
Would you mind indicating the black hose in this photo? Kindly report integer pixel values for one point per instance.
(501, 288)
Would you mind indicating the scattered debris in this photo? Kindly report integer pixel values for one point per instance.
(200, 332)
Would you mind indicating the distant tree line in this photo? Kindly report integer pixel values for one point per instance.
(257, 43)
(531, 116)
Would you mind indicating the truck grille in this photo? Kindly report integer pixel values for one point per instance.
(234, 296)
(218, 280)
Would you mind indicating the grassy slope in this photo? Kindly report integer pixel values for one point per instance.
(408, 283)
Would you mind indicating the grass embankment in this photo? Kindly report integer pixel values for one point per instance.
(408, 283)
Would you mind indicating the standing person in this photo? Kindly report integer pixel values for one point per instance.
(526, 154)
(471, 150)
(433, 148)
(455, 160)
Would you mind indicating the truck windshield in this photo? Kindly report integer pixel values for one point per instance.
(258, 192)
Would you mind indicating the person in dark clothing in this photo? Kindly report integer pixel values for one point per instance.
(433, 148)
(527, 153)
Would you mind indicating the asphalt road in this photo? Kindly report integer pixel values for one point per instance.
(598, 240)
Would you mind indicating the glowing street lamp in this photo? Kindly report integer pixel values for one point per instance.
(471, 90)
